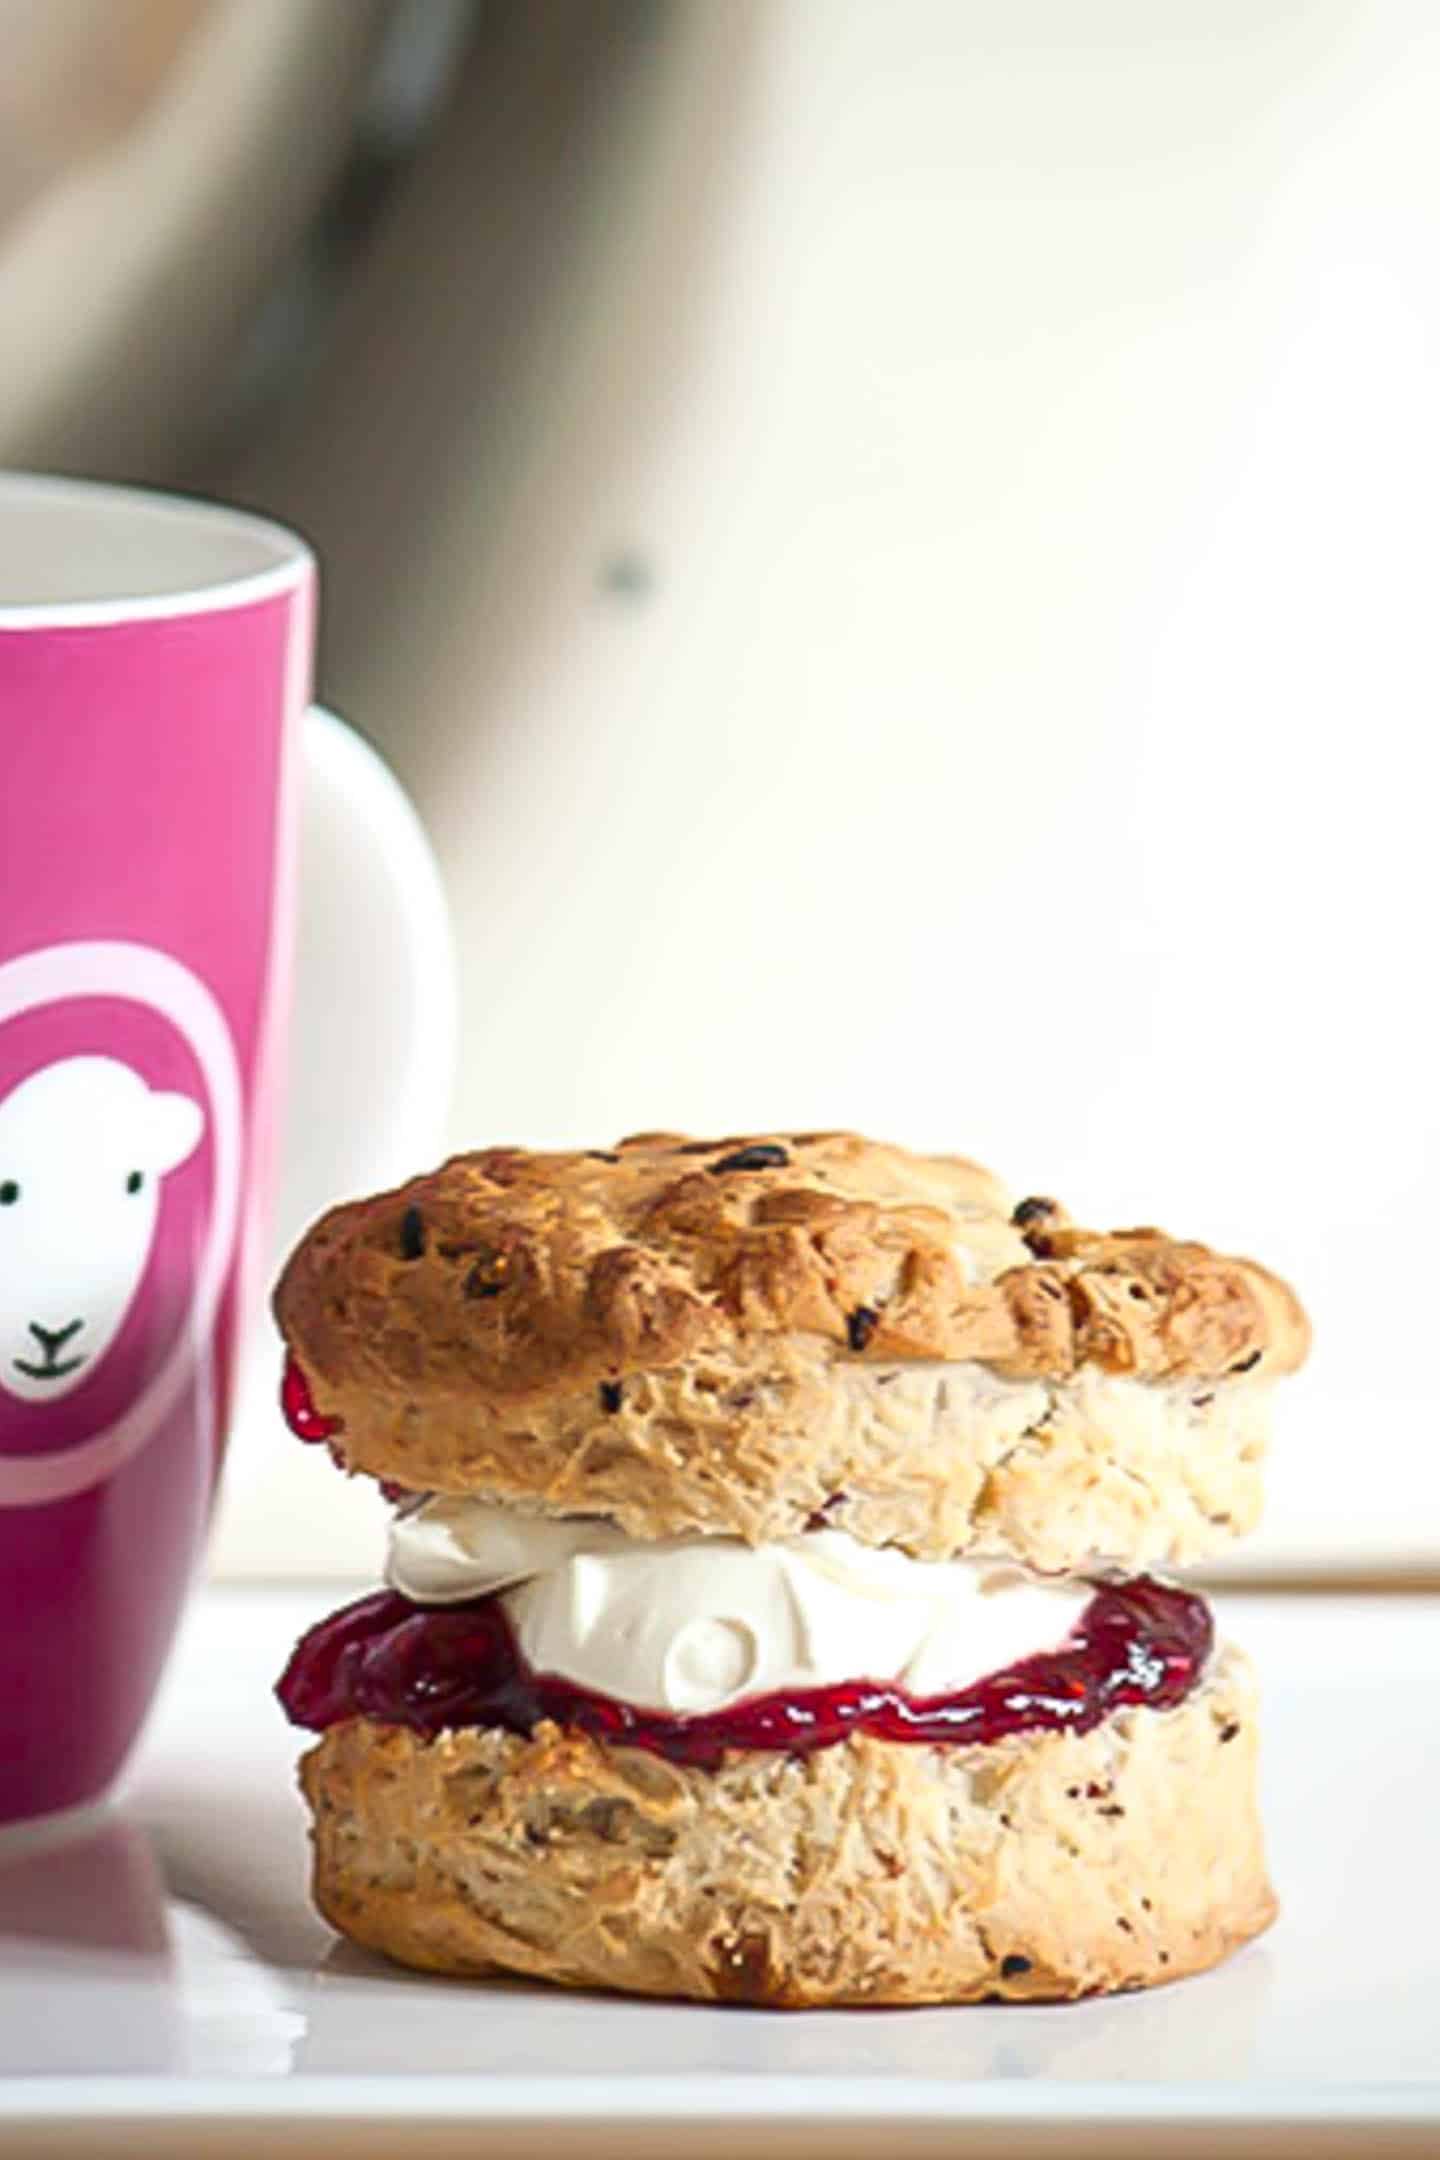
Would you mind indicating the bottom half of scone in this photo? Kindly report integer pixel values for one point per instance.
(1044, 1865)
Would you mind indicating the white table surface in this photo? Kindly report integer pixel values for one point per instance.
(164, 1983)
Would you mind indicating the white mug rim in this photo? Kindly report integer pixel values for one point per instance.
(284, 562)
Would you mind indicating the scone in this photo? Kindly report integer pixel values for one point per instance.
(736, 1336)
(771, 1615)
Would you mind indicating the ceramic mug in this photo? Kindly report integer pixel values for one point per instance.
(156, 742)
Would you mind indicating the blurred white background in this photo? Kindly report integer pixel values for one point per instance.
(894, 543)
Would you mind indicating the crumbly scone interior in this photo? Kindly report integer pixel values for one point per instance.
(938, 1459)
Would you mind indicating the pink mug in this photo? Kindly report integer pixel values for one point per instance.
(155, 660)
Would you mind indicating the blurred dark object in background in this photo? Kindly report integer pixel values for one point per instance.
(182, 184)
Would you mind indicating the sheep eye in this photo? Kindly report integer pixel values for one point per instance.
(134, 1181)
(9, 1193)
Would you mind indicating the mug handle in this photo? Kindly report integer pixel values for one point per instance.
(368, 1075)
(374, 1019)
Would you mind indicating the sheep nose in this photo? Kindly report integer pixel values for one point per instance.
(53, 1340)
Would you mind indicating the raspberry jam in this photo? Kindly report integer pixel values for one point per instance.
(315, 1428)
(305, 1421)
(439, 1667)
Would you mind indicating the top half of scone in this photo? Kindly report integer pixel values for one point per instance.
(754, 1336)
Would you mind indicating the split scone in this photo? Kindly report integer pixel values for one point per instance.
(771, 1612)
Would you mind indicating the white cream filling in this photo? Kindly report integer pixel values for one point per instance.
(692, 1624)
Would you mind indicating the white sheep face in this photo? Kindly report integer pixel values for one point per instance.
(84, 1144)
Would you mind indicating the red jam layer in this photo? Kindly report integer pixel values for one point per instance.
(298, 1406)
(435, 1668)
(314, 1427)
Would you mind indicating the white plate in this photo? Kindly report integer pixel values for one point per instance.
(164, 1985)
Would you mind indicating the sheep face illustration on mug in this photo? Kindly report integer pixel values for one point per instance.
(84, 1146)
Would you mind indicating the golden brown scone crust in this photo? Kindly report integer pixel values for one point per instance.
(647, 1333)
(1043, 1867)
